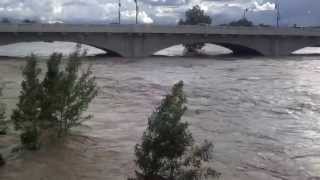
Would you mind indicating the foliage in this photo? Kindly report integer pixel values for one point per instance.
(195, 16)
(66, 94)
(264, 25)
(3, 123)
(195, 164)
(28, 21)
(166, 150)
(2, 161)
(26, 116)
(50, 91)
(241, 22)
(5, 21)
(56, 104)
(166, 137)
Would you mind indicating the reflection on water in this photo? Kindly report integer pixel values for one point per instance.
(262, 115)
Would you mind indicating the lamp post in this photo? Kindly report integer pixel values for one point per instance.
(245, 13)
(119, 15)
(137, 10)
(277, 8)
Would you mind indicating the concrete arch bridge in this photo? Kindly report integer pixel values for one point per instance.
(134, 41)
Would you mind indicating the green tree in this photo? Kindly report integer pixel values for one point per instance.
(241, 22)
(195, 163)
(166, 138)
(3, 123)
(50, 92)
(5, 20)
(195, 16)
(26, 116)
(2, 161)
(55, 105)
(66, 95)
(28, 21)
(167, 150)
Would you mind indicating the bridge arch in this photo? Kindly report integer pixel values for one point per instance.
(306, 47)
(237, 49)
(112, 44)
(309, 50)
(208, 49)
(109, 52)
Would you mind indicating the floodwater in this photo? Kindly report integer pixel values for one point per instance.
(262, 114)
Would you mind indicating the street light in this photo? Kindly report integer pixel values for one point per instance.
(119, 15)
(245, 13)
(277, 8)
(137, 11)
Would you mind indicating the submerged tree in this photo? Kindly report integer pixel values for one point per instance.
(50, 92)
(66, 95)
(26, 116)
(163, 152)
(2, 161)
(3, 123)
(166, 138)
(195, 16)
(195, 165)
(56, 104)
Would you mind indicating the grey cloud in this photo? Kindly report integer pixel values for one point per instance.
(301, 12)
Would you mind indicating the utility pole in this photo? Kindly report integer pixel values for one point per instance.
(245, 13)
(137, 10)
(119, 15)
(278, 13)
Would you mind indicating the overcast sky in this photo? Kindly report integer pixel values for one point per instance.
(300, 12)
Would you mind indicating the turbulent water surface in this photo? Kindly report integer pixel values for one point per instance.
(262, 114)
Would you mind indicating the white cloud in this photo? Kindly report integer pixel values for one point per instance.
(145, 18)
(264, 7)
(159, 11)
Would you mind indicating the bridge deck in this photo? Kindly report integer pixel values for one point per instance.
(159, 29)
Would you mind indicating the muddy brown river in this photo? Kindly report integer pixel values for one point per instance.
(262, 114)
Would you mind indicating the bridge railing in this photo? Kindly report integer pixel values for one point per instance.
(158, 29)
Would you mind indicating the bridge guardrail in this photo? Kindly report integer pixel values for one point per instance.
(158, 29)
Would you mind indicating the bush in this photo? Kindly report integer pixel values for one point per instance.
(57, 103)
(167, 150)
